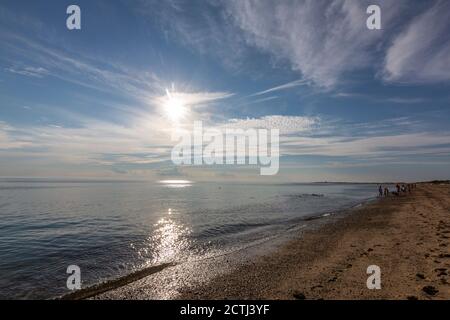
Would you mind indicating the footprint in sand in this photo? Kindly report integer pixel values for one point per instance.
(441, 271)
(299, 295)
(420, 276)
(332, 279)
(430, 290)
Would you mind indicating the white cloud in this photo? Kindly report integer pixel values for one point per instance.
(323, 40)
(81, 70)
(385, 141)
(286, 124)
(147, 141)
(405, 100)
(285, 86)
(7, 139)
(395, 145)
(88, 143)
(197, 25)
(320, 39)
(36, 72)
(421, 53)
(139, 139)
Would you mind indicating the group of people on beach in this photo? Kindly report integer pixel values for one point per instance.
(402, 188)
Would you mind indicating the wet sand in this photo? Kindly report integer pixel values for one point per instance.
(407, 237)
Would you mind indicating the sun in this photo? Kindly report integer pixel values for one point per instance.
(174, 107)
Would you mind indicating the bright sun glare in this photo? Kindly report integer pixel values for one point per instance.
(174, 107)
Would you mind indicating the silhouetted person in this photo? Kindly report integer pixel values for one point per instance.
(380, 190)
(386, 192)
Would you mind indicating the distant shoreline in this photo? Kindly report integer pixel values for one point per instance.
(115, 180)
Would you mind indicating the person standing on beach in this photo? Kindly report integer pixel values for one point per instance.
(386, 191)
(398, 188)
(380, 190)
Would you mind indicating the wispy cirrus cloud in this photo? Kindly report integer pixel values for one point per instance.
(405, 100)
(285, 86)
(37, 72)
(142, 86)
(8, 138)
(421, 53)
(395, 146)
(86, 143)
(383, 99)
(321, 40)
(49, 60)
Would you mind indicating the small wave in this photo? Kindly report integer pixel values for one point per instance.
(308, 195)
(230, 229)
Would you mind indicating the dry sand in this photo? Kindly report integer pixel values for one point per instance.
(407, 237)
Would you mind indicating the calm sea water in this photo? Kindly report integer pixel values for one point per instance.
(110, 229)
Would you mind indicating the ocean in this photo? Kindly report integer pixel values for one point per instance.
(112, 228)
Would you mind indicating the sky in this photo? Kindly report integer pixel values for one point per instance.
(351, 104)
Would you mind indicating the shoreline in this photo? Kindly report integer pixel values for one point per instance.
(261, 245)
(406, 236)
(106, 286)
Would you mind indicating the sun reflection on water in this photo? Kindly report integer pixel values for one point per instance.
(176, 183)
(168, 242)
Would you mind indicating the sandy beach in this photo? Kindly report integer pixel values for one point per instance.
(406, 236)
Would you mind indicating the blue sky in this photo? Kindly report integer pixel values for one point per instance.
(352, 104)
